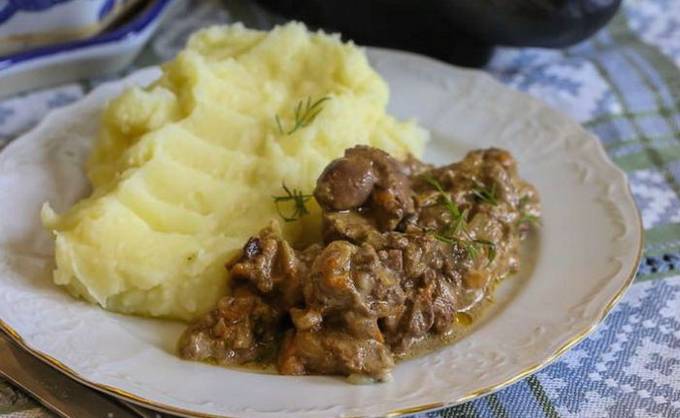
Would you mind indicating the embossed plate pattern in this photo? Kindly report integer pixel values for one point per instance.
(575, 268)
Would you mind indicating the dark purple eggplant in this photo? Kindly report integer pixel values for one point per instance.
(459, 31)
(540, 23)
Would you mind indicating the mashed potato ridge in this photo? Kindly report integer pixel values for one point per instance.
(183, 171)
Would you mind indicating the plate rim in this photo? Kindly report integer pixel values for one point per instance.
(558, 352)
(147, 16)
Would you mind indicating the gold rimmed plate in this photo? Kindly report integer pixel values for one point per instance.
(574, 269)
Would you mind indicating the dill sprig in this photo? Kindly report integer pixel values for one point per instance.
(522, 202)
(445, 197)
(305, 113)
(529, 219)
(490, 248)
(472, 247)
(526, 218)
(485, 194)
(451, 233)
(299, 200)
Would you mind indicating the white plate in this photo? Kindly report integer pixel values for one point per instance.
(575, 268)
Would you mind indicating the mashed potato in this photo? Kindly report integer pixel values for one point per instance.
(183, 172)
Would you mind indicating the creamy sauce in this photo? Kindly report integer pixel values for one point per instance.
(465, 322)
(412, 274)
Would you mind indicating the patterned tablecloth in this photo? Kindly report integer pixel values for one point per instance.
(623, 85)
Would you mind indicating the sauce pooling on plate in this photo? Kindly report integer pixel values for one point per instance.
(410, 252)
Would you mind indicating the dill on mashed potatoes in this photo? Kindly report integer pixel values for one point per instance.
(184, 171)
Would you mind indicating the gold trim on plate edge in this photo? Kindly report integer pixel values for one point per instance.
(127, 396)
(403, 411)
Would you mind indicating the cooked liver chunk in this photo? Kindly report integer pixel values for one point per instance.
(240, 329)
(367, 178)
(407, 247)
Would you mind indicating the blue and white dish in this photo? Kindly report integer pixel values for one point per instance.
(107, 52)
(26, 24)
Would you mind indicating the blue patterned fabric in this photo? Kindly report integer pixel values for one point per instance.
(623, 85)
(9, 7)
(627, 368)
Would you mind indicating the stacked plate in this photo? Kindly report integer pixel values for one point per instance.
(54, 41)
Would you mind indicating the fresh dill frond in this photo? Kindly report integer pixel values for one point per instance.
(305, 113)
(458, 225)
(529, 219)
(525, 217)
(445, 197)
(472, 247)
(456, 231)
(433, 182)
(278, 123)
(490, 249)
(445, 239)
(299, 200)
(485, 194)
(522, 202)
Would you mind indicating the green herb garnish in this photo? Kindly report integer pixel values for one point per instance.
(451, 232)
(299, 200)
(486, 194)
(522, 202)
(529, 219)
(526, 218)
(472, 247)
(305, 113)
(445, 197)
(490, 248)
